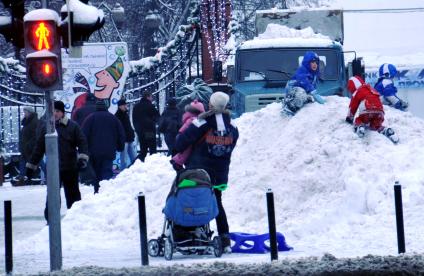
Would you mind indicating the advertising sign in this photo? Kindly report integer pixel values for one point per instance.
(96, 69)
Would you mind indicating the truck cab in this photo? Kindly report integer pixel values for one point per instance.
(263, 66)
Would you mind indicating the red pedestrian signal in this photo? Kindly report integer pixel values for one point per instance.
(43, 51)
(41, 35)
(43, 72)
(47, 69)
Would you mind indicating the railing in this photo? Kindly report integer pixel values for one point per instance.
(163, 79)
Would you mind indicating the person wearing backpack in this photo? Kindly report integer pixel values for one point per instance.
(212, 138)
(366, 101)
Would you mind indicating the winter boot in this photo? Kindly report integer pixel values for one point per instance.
(360, 131)
(390, 133)
(18, 181)
(226, 243)
(310, 98)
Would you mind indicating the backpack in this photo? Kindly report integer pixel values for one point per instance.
(372, 100)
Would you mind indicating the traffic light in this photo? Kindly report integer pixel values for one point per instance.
(11, 27)
(42, 49)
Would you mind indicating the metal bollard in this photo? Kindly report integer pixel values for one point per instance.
(399, 218)
(143, 229)
(271, 225)
(8, 236)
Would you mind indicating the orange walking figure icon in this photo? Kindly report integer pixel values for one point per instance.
(42, 32)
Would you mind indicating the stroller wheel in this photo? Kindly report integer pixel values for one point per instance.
(169, 249)
(153, 248)
(217, 247)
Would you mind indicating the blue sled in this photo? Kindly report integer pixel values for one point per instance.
(255, 244)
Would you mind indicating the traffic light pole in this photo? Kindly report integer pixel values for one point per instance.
(53, 186)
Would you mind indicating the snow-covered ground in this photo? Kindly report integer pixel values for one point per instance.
(333, 193)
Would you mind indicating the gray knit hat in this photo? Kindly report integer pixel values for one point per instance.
(29, 109)
(219, 101)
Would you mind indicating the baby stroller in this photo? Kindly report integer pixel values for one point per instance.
(190, 206)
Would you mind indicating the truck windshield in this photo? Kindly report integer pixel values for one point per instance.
(273, 64)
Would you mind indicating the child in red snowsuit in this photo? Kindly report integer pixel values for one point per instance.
(366, 100)
(191, 112)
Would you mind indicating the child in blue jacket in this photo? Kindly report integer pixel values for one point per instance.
(301, 89)
(387, 89)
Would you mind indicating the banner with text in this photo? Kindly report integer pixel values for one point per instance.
(407, 77)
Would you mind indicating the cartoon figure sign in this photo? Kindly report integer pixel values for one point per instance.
(100, 69)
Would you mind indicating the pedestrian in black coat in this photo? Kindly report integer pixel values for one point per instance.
(170, 123)
(145, 116)
(87, 176)
(122, 115)
(26, 142)
(105, 136)
(28, 131)
(81, 113)
(73, 154)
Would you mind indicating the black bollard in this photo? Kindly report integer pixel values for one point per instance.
(271, 225)
(399, 218)
(143, 229)
(8, 236)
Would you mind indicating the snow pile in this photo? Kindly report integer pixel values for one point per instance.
(279, 31)
(277, 35)
(333, 191)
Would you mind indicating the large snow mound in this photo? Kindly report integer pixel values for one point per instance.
(333, 191)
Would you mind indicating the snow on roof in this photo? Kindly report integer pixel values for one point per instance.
(281, 36)
(294, 9)
(83, 14)
(287, 42)
(42, 53)
(41, 14)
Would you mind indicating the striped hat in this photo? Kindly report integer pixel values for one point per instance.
(116, 69)
(387, 70)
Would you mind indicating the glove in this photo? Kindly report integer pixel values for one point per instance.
(177, 167)
(349, 120)
(317, 97)
(29, 173)
(82, 163)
